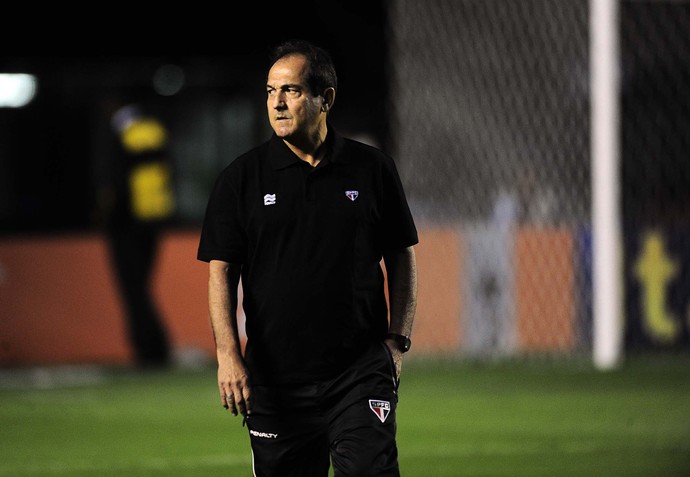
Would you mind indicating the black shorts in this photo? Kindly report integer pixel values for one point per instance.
(348, 421)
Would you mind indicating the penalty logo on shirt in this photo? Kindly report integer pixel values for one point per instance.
(380, 408)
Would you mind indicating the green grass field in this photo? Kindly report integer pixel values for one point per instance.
(538, 418)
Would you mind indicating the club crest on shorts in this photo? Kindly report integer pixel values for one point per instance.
(380, 408)
(352, 194)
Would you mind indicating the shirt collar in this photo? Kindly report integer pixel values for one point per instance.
(281, 155)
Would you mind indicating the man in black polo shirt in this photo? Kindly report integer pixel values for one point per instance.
(304, 220)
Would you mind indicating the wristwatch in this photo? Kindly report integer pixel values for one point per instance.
(403, 342)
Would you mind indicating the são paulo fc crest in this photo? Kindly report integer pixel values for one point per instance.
(352, 194)
(380, 408)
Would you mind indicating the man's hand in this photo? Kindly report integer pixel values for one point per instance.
(234, 388)
(397, 356)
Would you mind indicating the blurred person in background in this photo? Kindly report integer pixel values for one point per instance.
(135, 202)
(304, 221)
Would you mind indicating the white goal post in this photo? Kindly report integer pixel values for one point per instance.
(607, 247)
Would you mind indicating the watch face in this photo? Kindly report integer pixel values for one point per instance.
(403, 342)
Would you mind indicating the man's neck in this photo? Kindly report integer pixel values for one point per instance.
(310, 149)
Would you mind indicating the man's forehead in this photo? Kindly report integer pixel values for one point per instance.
(282, 84)
(288, 70)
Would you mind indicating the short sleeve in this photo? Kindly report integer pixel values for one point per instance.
(397, 229)
(222, 235)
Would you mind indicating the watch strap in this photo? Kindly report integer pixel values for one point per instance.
(403, 342)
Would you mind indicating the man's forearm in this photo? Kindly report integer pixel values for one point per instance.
(222, 302)
(401, 268)
(233, 378)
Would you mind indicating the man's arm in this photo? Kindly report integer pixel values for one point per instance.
(233, 377)
(401, 270)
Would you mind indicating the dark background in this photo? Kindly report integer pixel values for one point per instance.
(46, 148)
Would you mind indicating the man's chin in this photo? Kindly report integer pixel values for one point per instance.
(282, 128)
(282, 133)
(287, 136)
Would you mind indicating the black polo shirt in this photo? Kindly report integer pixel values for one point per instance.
(310, 241)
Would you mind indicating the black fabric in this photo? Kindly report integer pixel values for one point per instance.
(295, 429)
(310, 241)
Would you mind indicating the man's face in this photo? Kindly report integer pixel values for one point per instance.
(292, 110)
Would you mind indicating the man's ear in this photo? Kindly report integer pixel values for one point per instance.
(328, 99)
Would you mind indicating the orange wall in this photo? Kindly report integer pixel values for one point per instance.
(58, 302)
(181, 290)
(437, 325)
(545, 289)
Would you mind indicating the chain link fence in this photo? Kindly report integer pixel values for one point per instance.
(490, 126)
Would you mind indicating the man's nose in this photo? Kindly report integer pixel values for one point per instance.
(278, 100)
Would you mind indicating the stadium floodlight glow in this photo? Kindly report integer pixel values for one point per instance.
(168, 80)
(17, 89)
